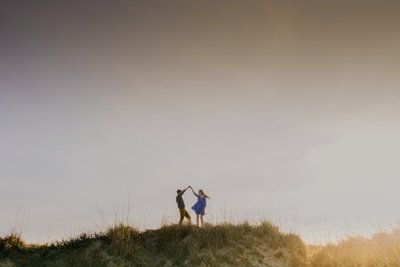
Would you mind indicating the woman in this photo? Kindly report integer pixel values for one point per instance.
(199, 207)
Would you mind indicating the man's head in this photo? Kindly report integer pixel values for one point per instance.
(178, 191)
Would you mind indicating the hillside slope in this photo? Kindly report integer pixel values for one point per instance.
(219, 245)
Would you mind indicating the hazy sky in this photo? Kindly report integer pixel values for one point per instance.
(279, 110)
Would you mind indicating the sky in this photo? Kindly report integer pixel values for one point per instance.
(279, 110)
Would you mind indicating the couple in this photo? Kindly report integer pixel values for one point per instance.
(198, 208)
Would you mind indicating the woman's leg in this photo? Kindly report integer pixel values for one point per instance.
(202, 222)
(197, 219)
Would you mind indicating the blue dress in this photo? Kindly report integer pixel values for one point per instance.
(199, 207)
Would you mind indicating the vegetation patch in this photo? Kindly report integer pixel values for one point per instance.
(382, 250)
(173, 245)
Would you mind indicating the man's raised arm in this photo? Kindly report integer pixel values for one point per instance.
(183, 191)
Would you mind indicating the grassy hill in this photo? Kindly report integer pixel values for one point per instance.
(213, 245)
(219, 245)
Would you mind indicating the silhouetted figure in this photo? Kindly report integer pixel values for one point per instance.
(200, 206)
(181, 206)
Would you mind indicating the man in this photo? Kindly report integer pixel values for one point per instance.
(181, 206)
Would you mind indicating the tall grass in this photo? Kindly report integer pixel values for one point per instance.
(213, 245)
(382, 250)
(172, 245)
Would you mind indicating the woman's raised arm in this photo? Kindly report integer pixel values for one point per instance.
(194, 193)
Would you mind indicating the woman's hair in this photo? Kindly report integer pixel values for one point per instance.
(203, 194)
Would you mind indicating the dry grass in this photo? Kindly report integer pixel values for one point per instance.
(382, 250)
(213, 245)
